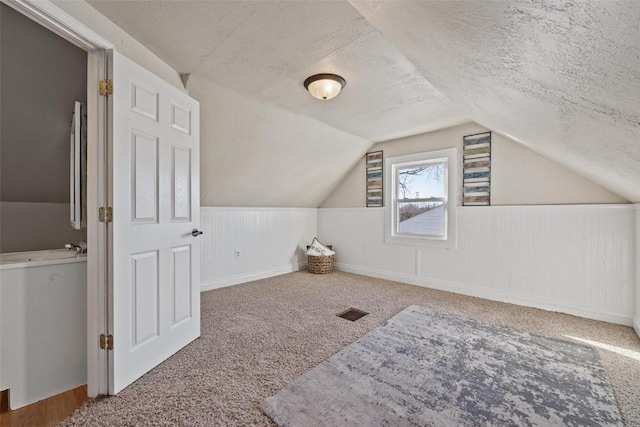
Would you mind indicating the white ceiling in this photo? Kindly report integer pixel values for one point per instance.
(266, 49)
(563, 78)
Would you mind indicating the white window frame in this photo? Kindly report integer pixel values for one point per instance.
(391, 167)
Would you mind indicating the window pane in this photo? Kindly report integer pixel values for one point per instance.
(422, 181)
(423, 218)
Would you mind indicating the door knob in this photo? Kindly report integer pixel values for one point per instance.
(196, 232)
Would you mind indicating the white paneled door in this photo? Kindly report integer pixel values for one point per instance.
(155, 252)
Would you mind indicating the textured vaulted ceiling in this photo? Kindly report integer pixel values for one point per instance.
(266, 49)
(563, 78)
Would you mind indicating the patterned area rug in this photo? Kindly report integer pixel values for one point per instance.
(426, 368)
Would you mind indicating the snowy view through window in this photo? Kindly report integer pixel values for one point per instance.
(421, 196)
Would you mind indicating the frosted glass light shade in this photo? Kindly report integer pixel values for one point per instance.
(324, 86)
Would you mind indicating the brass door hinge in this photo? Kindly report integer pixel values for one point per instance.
(105, 214)
(106, 87)
(106, 342)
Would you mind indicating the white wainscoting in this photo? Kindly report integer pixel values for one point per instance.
(636, 315)
(572, 259)
(271, 241)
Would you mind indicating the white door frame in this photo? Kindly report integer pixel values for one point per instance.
(55, 19)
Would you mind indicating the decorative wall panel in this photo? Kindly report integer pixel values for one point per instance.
(476, 170)
(374, 179)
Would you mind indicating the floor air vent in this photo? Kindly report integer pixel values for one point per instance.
(352, 314)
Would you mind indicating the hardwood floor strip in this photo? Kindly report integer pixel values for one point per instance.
(47, 412)
(4, 401)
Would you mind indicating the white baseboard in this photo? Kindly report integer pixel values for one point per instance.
(636, 324)
(244, 278)
(460, 288)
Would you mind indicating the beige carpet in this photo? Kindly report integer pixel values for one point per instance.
(260, 336)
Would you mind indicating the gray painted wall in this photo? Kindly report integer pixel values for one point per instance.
(41, 76)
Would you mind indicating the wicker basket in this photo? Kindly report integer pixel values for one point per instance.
(321, 264)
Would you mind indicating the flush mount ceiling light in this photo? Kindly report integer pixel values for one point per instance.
(324, 86)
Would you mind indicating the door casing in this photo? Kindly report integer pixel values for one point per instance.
(55, 19)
